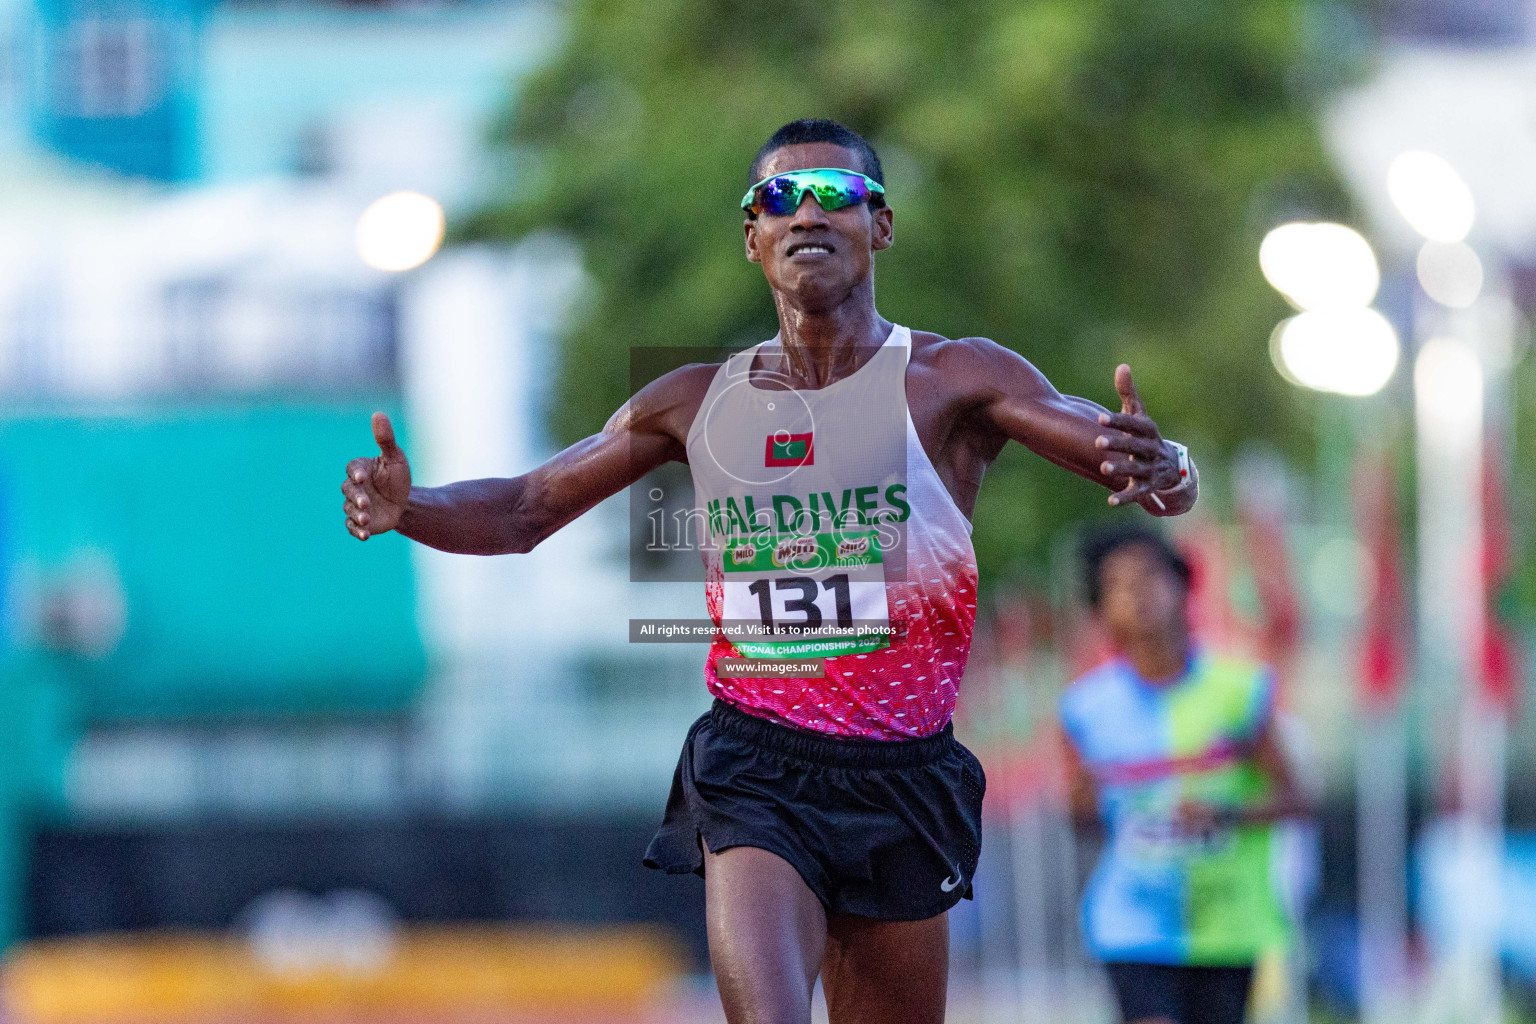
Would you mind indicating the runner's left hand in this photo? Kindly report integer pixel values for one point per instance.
(1134, 448)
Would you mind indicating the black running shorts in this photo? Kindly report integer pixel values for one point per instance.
(1184, 995)
(888, 829)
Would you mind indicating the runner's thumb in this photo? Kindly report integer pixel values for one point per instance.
(384, 436)
(1130, 401)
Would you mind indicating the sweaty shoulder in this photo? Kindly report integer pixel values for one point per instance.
(667, 405)
(959, 355)
(974, 367)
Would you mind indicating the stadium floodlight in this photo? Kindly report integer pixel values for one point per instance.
(1450, 273)
(400, 231)
(1345, 351)
(1432, 197)
(1320, 266)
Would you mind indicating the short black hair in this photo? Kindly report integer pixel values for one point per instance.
(818, 129)
(1100, 542)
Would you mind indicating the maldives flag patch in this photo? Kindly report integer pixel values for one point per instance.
(789, 450)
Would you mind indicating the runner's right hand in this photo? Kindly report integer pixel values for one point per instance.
(377, 489)
(1198, 820)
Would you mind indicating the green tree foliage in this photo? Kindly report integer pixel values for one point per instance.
(1085, 181)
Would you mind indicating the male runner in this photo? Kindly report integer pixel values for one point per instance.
(1174, 749)
(833, 816)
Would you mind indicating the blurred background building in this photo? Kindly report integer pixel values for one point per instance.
(195, 323)
(219, 252)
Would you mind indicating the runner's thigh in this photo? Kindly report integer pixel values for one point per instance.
(767, 934)
(886, 971)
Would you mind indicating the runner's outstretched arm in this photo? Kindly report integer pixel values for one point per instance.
(1122, 451)
(1287, 800)
(506, 516)
(1288, 797)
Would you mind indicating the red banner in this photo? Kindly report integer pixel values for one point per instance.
(1498, 653)
(1383, 647)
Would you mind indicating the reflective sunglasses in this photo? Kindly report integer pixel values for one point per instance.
(833, 187)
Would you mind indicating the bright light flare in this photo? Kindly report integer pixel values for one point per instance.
(1346, 351)
(1448, 387)
(400, 231)
(1320, 266)
(1431, 196)
(1450, 273)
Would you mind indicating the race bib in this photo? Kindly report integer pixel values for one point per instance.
(1158, 840)
(807, 595)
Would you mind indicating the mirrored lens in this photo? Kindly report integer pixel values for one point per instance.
(779, 196)
(833, 189)
(834, 193)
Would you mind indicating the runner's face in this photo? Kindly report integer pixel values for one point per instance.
(815, 257)
(1142, 600)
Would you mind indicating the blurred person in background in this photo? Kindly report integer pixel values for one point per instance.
(1174, 749)
(833, 815)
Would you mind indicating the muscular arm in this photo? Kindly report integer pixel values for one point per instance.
(512, 515)
(499, 516)
(1082, 791)
(1287, 798)
(1122, 451)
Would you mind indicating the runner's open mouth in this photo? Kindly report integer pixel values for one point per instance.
(811, 247)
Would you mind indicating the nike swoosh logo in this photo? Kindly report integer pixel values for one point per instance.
(948, 885)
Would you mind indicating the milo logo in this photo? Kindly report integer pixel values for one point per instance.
(742, 554)
(853, 548)
(797, 550)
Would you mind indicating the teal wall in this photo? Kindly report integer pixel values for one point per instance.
(157, 139)
(271, 72)
(244, 593)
